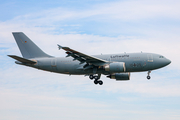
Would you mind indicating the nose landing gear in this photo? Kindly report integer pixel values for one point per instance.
(148, 77)
(96, 79)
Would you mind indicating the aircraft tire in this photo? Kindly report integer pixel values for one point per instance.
(91, 77)
(100, 82)
(96, 82)
(148, 77)
(96, 78)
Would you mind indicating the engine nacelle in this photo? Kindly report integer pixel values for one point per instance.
(120, 76)
(115, 67)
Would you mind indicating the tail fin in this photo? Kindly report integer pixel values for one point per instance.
(27, 47)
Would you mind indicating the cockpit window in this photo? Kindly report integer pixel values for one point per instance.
(161, 57)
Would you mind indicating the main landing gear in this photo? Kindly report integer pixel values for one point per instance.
(148, 77)
(96, 79)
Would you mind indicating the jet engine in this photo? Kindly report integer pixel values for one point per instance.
(120, 76)
(115, 67)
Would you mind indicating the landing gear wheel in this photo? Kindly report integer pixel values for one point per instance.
(96, 77)
(91, 77)
(100, 82)
(96, 82)
(148, 77)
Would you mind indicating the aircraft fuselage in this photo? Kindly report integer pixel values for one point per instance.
(134, 62)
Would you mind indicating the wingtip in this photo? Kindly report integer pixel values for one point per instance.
(59, 46)
(10, 55)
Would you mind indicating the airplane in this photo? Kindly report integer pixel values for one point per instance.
(114, 66)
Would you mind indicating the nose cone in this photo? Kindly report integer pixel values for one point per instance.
(161, 63)
(165, 62)
(168, 61)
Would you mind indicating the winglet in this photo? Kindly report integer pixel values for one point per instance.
(60, 47)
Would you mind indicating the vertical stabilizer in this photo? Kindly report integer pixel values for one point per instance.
(27, 47)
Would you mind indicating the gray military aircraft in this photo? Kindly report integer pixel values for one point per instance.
(114, 66)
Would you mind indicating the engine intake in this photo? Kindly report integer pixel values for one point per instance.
(115, 67)
(120, 76)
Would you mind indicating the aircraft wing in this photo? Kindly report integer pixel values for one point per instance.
(83, 57)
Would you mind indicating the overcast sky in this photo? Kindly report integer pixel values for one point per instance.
(92, 27)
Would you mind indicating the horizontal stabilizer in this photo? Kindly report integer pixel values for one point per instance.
(23, 60)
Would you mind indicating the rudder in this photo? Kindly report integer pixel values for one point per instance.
(27, 47)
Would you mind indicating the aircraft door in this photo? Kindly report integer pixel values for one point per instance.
(53, 65)
(150, 57)
(149, 61)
